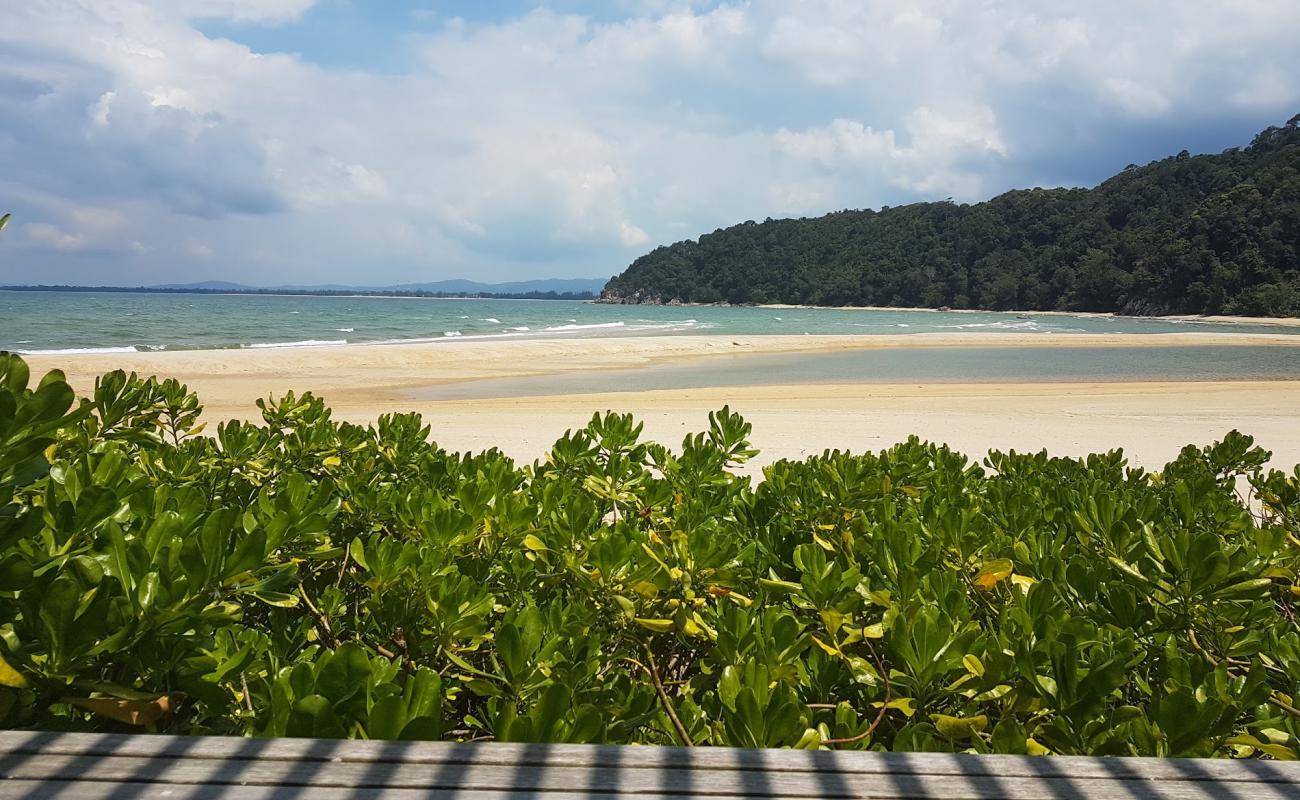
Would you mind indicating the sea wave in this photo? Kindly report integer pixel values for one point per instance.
(303, 343)
(78, 351)
(1002, 326)
(345, 330)
(452, 333)
(492, 320)
(585, 327)
(520, 328)
(672, 325)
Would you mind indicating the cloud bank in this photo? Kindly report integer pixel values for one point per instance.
(567, 139)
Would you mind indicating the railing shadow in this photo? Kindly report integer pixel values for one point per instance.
(122, 766)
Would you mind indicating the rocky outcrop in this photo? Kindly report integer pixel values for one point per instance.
(637, 298)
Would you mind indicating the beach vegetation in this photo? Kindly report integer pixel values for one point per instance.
(302, 576)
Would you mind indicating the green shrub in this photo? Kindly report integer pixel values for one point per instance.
(306, 577)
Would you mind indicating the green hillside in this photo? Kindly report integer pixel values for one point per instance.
(1187, 234)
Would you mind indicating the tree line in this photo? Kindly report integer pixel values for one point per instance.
(1187, 234)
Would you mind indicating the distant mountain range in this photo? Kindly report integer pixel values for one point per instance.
(557, 285)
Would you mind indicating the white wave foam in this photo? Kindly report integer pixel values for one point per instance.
(673, 325)
(1003, 326)
(585, 327)
(492, 320)
(452, 333)
(345, 330)
(303, 343)
(520, 328)
(78, 351)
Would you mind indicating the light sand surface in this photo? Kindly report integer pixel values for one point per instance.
(1151, 421)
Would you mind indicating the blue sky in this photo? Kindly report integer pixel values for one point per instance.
(339, 141)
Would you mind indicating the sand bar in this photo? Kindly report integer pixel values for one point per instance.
(1150, 420)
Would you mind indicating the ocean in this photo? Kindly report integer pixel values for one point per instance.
(67, 322)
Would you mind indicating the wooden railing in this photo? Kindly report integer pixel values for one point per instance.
(70, 766)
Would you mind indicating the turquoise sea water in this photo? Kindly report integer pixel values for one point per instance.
(32, 322)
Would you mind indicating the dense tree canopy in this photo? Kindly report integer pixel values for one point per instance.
(1188, 234)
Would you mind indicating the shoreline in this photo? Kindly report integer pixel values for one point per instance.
(779, 342)
(1219, 319)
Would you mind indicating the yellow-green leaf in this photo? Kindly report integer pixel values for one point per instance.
(1244, 587)
(656, 625)
(973, 664)
(992, 573)
(132, 712)
(833, 620)
(903, 704)
(10, 676)
(959, 727)
(279, 599)
(784, 586)
(533, 543)
(832, 650)
(1024, 582)
(876, 631)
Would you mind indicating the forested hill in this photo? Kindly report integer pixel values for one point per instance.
(1188, 234)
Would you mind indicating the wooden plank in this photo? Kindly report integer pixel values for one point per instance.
(649, 758)
(560, 779)
(119, 765)
(53, 790)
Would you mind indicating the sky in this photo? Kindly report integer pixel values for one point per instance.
(339, 141)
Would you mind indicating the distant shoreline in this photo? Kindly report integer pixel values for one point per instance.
(394, 293)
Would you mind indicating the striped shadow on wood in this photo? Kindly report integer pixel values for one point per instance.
(70, 766)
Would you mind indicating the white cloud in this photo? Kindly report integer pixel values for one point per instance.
(937, 145)
(631, 235)
(565, 144)
(260, 11)
(51, 236)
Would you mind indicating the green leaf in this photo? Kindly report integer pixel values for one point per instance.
(358, 553)
(313, 717)
(387, 718)
(277, 599)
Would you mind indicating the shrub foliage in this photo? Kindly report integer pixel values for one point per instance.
(306, 577)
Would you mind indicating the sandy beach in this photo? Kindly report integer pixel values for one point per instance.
(1150, 420)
